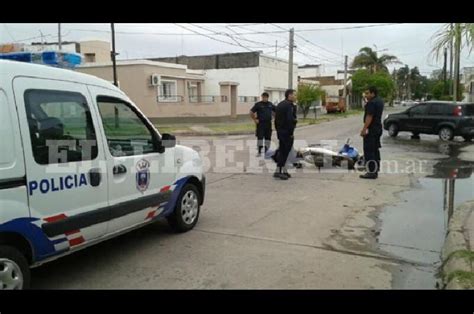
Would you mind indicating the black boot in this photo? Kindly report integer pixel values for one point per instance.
(279, 175)
(369, 175)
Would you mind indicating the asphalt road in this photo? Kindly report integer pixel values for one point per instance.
(317, 230)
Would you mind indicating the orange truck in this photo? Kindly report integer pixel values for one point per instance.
(335, 104)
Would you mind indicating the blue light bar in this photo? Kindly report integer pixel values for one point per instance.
(51, 58)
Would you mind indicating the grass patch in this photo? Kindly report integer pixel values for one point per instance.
(466, 254)
(232, 127)
(465, 278)
(248, 127)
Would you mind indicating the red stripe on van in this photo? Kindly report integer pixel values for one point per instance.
(165, 188)
(76, 241)
(55, 218)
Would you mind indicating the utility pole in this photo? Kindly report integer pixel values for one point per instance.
(451, 62)
(114, 67)
(445, 74)
(457, 50)
(59, 36)
(276, 48)
(344, 91)
(290, 59)
(113, 55)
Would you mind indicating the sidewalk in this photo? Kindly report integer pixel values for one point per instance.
(458, 251)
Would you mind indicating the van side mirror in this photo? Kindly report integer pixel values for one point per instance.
(168, 140)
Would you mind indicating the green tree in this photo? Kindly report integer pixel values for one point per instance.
(384, 82)
(307, 95)
(369, 59)
(460, 35)
(438, 90)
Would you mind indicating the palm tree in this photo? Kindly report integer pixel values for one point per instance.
(403, 76)
(462, 34)
(369, 59)
(451, 32)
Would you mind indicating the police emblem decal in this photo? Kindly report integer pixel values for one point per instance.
(143, 175)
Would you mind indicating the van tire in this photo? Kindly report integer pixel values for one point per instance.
(467, 138)
(187, 209)
(446, 133)
(12, 257)
(393, 129)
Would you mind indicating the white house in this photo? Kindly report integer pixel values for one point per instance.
(254, 72)
(309, 70)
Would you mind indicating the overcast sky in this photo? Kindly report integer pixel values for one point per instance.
(319, 44)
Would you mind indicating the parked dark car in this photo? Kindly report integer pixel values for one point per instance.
(434, 117)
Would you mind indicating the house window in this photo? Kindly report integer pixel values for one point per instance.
(89, 57)
(168, 91)
(193, 92)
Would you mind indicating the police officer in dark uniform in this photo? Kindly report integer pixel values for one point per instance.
(285, 123)
(371, 132)
(262, 113)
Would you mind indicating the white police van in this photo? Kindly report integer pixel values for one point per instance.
(80, 163)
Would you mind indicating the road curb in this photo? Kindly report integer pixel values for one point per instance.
(457, 258)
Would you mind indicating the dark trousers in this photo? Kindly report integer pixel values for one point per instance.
(285, 145)
(372, 151)
(264, 132)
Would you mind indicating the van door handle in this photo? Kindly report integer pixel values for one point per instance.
(118, 169)
(94, 177)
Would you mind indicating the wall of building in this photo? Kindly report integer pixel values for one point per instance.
(309, 72)
(216, 61)
(101, 49)
(274, 77)
(135, 82)
(248, 79)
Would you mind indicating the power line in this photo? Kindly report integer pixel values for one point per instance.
(310, 42)
(320, 29)
(316, 58)
(210, 37)
(247, 24)
(247, 33)
(232, 37)
(8, 31)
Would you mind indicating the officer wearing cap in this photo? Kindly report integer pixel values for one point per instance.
(262, 113)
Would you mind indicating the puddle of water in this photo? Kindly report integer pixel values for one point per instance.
(415, 228)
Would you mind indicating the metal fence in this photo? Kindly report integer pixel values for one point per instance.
(208, 99)
(247, 99)
(170, 98)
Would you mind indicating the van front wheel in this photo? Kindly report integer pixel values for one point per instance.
(186, 212)
(14, 269)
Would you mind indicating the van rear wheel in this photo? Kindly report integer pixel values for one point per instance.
(186, 212)
(467, 138)
(446, 134)
(14, 269)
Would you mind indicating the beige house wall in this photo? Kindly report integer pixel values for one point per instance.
(135, 81)
(101, 49)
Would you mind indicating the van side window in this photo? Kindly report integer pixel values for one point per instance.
(60, 125)
(441, 109)
(418, 110)
(126, 131)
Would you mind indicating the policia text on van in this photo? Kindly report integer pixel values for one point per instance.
(79, 164)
